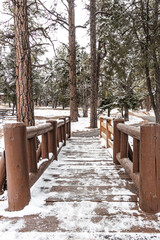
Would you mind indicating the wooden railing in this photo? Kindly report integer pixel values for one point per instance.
(144, 167)
(24, 160)
(106, 130)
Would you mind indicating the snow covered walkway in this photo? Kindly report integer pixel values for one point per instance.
(83, 195)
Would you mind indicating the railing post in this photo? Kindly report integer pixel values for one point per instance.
(136, 153)
(32, 159)
(149, 194)
(2, 171)
(17, 166)
(101, 120)
(58, 136)
(69, 127)
(124, 145)
(117, 139)
(52, 139)
(45, 153)
(64, 130)
(108, 122)
(39, 152)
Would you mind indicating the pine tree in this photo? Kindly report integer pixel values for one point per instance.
(94, 90)
(72, 63)
(25, 107)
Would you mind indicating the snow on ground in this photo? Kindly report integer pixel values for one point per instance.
(36, 205)
(44, 113)
(78, 236)
(41, 115)
(82, 212)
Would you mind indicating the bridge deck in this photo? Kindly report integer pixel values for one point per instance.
(84, 192)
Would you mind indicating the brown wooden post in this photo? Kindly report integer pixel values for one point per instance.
(32, 159)
(58, 136)
(117, 139)
(124, 145)
(136, 153)
(61, 133)
(52, 139)
(101, 120)
(2, 171)
(16, 166)
(64, 130)
(149, 193)
(108, 123)
(69, 127)
(45, 153)
(39, 152)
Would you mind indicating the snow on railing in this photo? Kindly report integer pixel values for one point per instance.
(24, 159)
(142, 163)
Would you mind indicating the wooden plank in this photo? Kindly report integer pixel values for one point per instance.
(103, 125)
(136, 154)
(104, 136)
(158, 163)
(92, 198)
(124, 145)
(110, 129)
(128, 166)
(110, 142)
(2, 171)
(131, 131)
(149, 172)
(117, 139)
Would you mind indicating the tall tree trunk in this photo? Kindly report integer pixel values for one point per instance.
(25, 105)
(72, 63)
(109, 112)
(148, 105)
(85, 99)
(126, 113)
(93, 116)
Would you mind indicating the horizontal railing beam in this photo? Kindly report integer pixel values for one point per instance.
(128, 166)
(131, 131)
(38, 130)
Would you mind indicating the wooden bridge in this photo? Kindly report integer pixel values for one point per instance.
(84, 192)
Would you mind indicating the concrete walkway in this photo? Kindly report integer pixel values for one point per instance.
(82, 196)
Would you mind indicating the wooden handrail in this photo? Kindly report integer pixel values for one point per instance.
(129, 130)
(106, 130)
(141, 161)
(38, 130)
(144, 170)
(60, 123)
(22, 156)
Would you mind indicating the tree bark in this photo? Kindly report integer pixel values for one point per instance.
(148, 105)
(25, 106)
(94, 84)
(72, 63)
(85, 99)
(126, 114)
